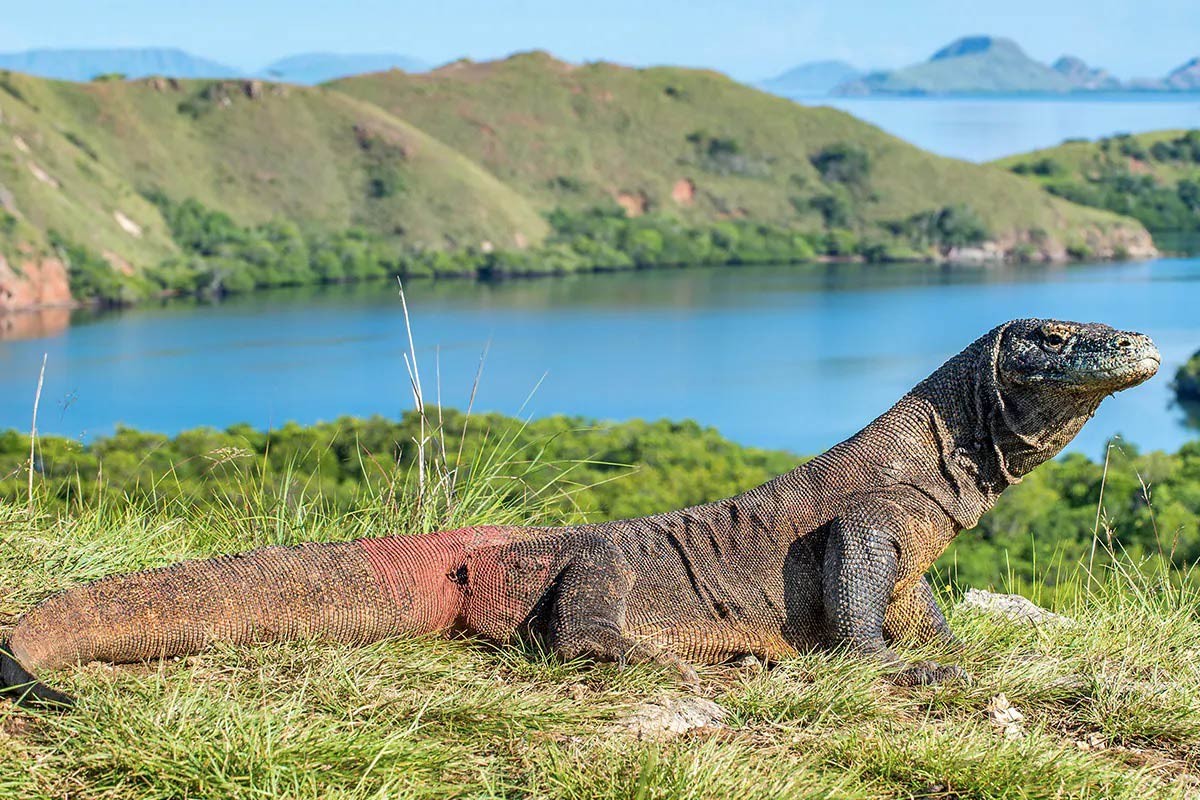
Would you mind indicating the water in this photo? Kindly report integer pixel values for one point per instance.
(794, 357)
(983, 128)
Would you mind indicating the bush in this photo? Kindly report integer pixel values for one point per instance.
(1158, 207)
(220, 256)
(842, 163)
(94, 278)
(1043, 167)
(1187, 380)
(943, 228)
(835, 209)
(724, 155)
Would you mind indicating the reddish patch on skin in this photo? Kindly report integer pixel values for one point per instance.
(423, 574)
(505, 583)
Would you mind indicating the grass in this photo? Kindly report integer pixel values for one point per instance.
(1111, 705)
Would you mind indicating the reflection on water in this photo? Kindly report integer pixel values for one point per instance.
(1178, 244)
(33, 324)
(797, 357)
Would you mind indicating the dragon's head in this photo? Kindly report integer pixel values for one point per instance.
(1073, 359)
(1047, 379)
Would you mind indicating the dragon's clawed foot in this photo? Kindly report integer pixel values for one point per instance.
(930, 673)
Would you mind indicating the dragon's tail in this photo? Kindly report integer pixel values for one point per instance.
(17, 683)
(353, 592)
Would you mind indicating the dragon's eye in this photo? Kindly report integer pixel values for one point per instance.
(1055, 339)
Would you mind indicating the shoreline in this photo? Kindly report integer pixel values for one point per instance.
(990, 255)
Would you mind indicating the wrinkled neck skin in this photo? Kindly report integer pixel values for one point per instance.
(960, 437)
(989, 433)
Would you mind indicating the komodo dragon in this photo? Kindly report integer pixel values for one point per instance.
(832, 553)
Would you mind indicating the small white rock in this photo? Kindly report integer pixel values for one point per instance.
(1012, 607)
(1006, 716)
(671, 717)
(128, 225)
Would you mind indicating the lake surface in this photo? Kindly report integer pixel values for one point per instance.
(794, 357)
(983, 128)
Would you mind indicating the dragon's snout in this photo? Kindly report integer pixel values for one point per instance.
(1135, 359)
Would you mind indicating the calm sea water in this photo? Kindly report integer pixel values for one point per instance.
(983, 128)
(787, 357)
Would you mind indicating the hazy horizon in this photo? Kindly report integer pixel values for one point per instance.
(756, 40)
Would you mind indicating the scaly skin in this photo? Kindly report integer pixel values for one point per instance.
(832, 553)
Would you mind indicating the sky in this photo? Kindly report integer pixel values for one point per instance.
(748, 39)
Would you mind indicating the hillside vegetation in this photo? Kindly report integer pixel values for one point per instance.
(472, 159)
(698, 145)
(1104, 706)
(259, 152)
(1153, 177)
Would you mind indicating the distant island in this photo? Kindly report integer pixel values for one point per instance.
(976, 65)
(127, 62)
(969, 65)
(813, 79)
(142, 62)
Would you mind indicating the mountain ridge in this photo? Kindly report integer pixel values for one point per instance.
(82, 65)
(812, 78)
(85, 64)
(983, 64)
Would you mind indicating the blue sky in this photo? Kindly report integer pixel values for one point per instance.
(746, 38)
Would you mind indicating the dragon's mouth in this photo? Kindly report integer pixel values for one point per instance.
(1124, 375)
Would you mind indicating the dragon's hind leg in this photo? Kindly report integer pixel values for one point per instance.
(914, 616)
(587, 618)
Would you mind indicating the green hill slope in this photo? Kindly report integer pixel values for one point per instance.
(1153, 177)
(261, 151)
(79, 160)
(136, 188)
(698, 145)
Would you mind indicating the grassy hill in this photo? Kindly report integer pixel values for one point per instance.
(473, 158)
(1153, 177)
(692, 143)
(261, 151)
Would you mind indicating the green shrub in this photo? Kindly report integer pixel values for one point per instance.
(943, 228)
(842, 163)
(1187, 380)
